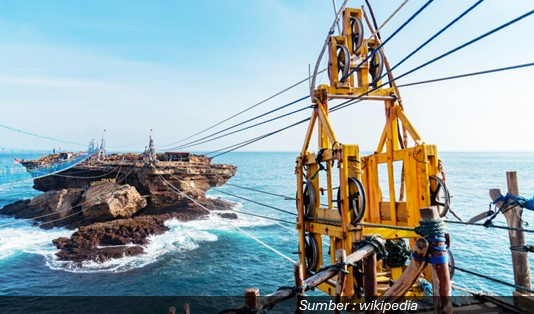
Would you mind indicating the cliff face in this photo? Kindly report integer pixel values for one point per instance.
(191, 178)
(119, 201)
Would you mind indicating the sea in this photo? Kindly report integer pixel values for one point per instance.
(217, 257)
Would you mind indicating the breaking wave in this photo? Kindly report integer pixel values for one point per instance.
(21, 238)
(181, 238)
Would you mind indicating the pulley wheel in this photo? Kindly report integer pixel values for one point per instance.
(451, 263)
(343, 61)
(356, 27)
(311, 253)
(439, 196)
(308, 198)
(357, 201)
(376, 66)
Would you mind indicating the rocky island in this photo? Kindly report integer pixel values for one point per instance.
(117, 201)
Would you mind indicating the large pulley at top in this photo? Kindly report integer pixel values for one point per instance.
(342, 197)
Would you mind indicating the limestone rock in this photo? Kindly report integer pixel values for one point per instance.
(113, 239)
(53, 208)
(108, 201)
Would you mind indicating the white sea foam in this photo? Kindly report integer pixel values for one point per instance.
(23, 238)
(181, 238)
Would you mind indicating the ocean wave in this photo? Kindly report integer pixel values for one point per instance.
(24, 238)
(181, 238)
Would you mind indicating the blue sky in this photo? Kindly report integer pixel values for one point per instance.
(70, 69)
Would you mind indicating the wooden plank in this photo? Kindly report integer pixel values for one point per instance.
(317, 279)
(410, 275)
(369, 278)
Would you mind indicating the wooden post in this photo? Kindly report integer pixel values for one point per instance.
(252, 300)
(369, 278)
(341, 257)
(186, 308)
(172, 310)
(441, 281)
(410, 275)
(298, 271)
(517, 237)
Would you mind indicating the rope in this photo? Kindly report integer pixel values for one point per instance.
(488, 226)
(236, 227)
(88, 177)
(353, 101)
(397, 253)
(144, 140)
(195, 143)
(325, 44)
(245, 110)
(428, 228)
(39, 136)
(370, 55)
(377, 31)
(69, 164)
(385, 226)
(516, 200)
(468, 74)
(260, 191)
(231, 148)
(249, 120)
(250, 214)
(467, 43)
(459, 17)
(255, 202)
(377, 242)
(318, 160)
(260, 216)
(339, 266)
(492, 279)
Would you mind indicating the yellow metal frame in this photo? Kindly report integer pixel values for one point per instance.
(419, 162)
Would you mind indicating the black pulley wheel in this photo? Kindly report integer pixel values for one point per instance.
(343, 62)
(451, 263)
(376, 66)
(439, 195)
(308, 198)
(357, 33)
(357, 201)
(311, 253)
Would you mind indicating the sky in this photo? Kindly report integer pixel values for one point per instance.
(72, 69)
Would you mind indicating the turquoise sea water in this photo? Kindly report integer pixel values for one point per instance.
(211, 257)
